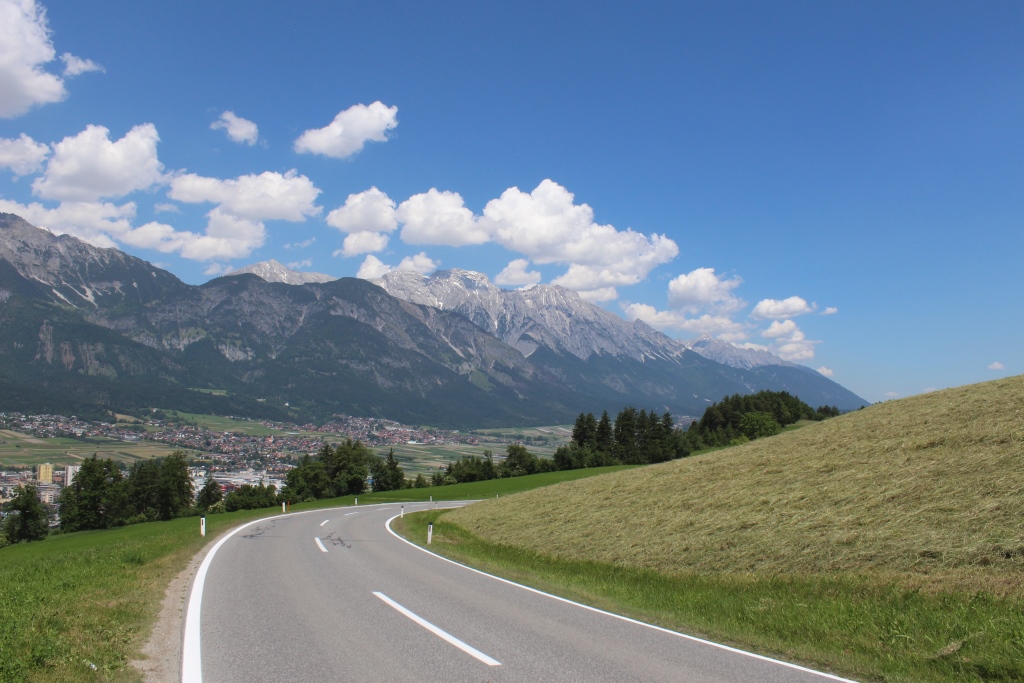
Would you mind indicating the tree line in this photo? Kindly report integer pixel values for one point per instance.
(102, 496)
(740, 418)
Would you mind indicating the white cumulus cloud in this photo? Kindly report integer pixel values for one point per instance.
(596, 296)
(299, 265)
(367, 211)
(104, 224)
(93, 222)
(516, 274)
(238, 129)
(75, 66)
(996, 366)
(88, 166)
(786, 308)
(435, 217)
(831, 310)
(827, 372)
(373, 268)
(420, 263)
(217, 269)
(159, 236)
(722, 327)
(349, 131)
(23, 155)
(357, 243)
(227, 236)
(702, 289)
(267, 196)
(25, 47)
(789, 341)
(547, 226)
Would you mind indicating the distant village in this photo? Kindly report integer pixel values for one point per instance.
(230, 458)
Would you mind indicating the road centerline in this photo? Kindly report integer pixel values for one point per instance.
(319, 543)
(324, 522)
(444, 635)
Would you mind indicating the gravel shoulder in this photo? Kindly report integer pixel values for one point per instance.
(162, 652)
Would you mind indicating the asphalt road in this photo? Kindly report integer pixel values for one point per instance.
(364, 605)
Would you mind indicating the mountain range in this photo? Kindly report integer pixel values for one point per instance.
(87, 330)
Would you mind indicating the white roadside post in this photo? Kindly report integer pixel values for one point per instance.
(282, 507)
(357, 502)
(430, 533)
(202, 525)
(403, 511)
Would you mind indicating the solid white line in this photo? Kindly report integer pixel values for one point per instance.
(192, 651)
(320, 544)
(468, 649)
(191, 655)
(619, 616)
(324, 522)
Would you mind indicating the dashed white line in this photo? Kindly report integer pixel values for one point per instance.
(444, 635)
(320, 544)
(324, 522)
(349, 513)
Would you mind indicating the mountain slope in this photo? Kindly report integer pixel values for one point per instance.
(84, 326)
(64, 270)
(275, 271)
(600, 354)
(734, 356)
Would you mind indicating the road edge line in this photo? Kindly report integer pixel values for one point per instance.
(695, 639)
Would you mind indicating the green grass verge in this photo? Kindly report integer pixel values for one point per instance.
(92, 597)
(859, 626)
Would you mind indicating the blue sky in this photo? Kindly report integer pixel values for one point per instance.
(842, 183)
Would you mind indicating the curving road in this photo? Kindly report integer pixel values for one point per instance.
(333, 595)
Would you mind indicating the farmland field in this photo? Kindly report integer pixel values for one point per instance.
(216, 423)
(23, 450)
(425, 458)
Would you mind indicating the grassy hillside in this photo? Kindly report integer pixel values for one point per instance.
(887, 544)
(925, 485)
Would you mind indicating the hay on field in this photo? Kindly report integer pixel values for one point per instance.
(927, 486)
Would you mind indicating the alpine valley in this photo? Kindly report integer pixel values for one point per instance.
(85, 331)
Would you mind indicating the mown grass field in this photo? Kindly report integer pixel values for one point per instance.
(426, 458)
(91, 597)
(887, 544)
(18, 449)
(215, 423)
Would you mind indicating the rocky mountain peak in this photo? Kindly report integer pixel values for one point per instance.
(71, 272)
(527, 319)
(275, 271)
(732, 355)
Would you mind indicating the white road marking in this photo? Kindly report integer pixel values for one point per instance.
(320, 544)
(192, 651)
(444, 635)
(324, 522)
(191, 656)
(349, 513)
(619, 616)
